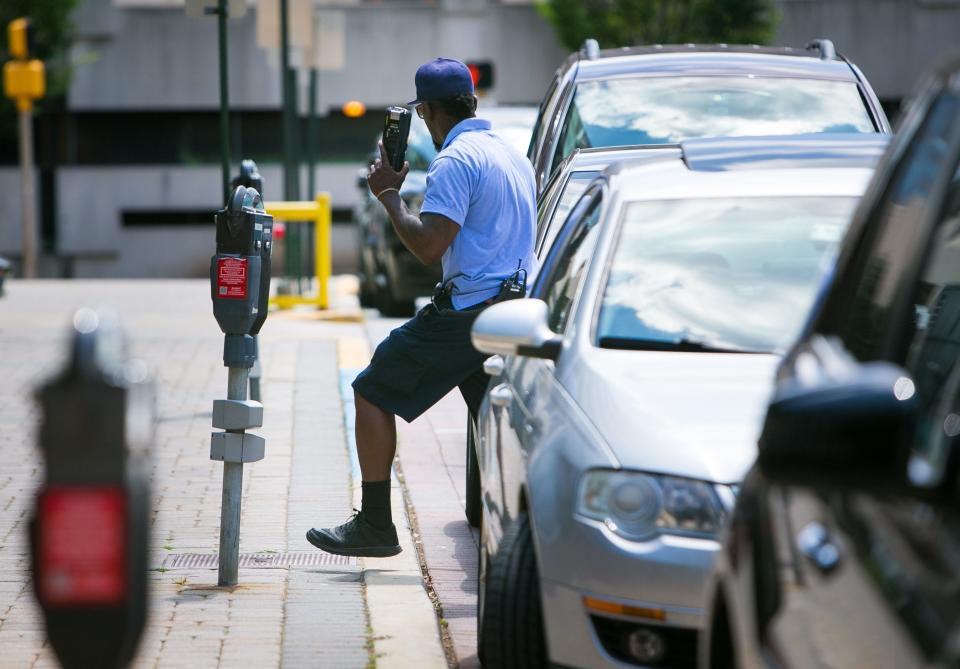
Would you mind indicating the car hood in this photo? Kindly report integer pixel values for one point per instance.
(689, 414)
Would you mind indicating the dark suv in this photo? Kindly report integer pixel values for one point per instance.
(844, 547)
(663, 94)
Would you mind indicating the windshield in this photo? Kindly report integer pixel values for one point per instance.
(666, 110)
(724, 274)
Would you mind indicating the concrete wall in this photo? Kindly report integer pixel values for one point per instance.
(91, 201)
(10, 231)
(161, 59)
(893, 41)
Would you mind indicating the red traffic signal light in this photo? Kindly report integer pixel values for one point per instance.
(482, 74)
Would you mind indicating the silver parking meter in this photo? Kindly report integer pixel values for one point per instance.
(89, 530)
(240, 290)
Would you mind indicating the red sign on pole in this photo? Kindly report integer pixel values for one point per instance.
(81, 546)
(232, 278)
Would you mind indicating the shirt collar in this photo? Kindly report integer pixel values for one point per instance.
(466, 125)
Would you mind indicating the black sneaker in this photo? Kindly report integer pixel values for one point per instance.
(356, 537)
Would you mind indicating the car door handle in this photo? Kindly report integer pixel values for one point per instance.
(501, 395)
(493, 365)
(815, 544)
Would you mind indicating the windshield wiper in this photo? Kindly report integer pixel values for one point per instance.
(682, 345)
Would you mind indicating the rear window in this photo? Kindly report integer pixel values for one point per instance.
(667, 110)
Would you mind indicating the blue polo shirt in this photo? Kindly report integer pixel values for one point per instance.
(488, 189)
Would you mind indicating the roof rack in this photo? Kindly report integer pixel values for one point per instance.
(824, 46)
(590, 49)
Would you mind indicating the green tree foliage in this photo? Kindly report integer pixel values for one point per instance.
(615, 23)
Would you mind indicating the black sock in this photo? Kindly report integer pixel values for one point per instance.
(375, 503)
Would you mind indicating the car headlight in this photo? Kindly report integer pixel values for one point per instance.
(638, 506)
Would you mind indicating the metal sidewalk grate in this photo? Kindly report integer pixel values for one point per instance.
(259, 560)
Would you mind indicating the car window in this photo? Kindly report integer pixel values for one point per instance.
(734, 274)
(934, 352)
(568, 274)
(542, 123)
(667, 110)
(883, 265)
(553, 215)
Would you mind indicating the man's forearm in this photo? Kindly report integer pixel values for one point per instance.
(409, 228)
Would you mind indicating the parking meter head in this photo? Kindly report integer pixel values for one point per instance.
(240, 270)
(89, 529)
(249, 176)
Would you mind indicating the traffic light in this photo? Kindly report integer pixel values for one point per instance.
(24, 78)
(20, 37)
(482, 74)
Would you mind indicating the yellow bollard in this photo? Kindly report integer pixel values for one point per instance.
(318, 212)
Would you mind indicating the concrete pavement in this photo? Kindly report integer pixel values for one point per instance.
(295, 606)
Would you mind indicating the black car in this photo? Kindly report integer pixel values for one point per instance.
(663, 94)
(844, 547)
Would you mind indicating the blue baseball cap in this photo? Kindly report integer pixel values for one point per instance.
(442, 78)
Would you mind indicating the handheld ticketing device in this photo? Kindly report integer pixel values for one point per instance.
(396, 128)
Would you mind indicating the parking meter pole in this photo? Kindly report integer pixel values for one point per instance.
(256, 372)
(232, 492)
(224, 98)
(28, 200)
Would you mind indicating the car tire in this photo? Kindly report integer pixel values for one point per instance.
(472, 503)
(391, 307)
(511, 629)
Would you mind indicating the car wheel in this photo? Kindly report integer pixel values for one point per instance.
(474, 510)
(389, 306)
(512, 624)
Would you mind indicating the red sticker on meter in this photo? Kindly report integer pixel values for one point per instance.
(81, 537)
(232, 278)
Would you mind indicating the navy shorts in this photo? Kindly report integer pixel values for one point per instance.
(423, 360)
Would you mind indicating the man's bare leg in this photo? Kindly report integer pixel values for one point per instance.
(376, 432)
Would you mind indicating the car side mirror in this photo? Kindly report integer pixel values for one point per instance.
(848, 429)
(516, 327)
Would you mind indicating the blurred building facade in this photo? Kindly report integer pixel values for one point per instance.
(130, 165)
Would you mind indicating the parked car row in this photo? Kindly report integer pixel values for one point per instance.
(709, 283)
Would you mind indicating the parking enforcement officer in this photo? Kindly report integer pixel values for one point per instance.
(479, 218)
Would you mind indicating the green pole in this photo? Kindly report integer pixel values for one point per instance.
(224, 98)
(289, 169)
(312, 136)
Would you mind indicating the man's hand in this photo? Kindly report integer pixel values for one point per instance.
(382, 175)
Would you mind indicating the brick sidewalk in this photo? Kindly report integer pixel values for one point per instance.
(298, 617)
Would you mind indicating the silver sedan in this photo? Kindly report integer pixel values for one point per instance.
(628, 393)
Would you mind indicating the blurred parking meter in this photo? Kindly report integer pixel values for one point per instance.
(240, 290)
(89, 531)
(250, 177)
(4, 272)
